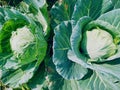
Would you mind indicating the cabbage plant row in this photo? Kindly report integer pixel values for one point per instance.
(60, 45)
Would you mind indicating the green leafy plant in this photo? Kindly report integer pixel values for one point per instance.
(86, 43)
(22, 47)
(24, 34)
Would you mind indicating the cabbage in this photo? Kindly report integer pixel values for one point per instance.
(98, 43)
(22, 47)
(20, 39)
(86, 45)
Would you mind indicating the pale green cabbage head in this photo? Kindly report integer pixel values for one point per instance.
(98, 43)
(20, 39)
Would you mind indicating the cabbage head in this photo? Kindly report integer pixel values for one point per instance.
(98, 44)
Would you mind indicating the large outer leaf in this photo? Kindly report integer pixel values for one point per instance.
(38, 82)
(15, 78)
(64, 66)
(56, 82)
(112, 17)
(91, 8)
(59, 83)
(75, 9)
(62, 11)
(76, 37)
(6, 14)
(99, 79)
(105, 76)
(37, 10)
